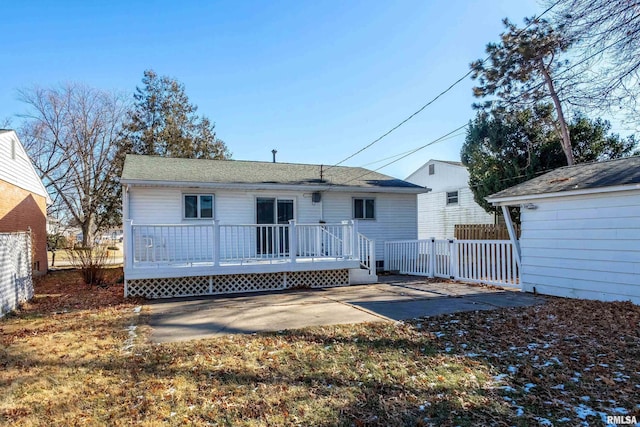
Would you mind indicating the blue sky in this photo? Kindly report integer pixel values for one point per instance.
(317, 80)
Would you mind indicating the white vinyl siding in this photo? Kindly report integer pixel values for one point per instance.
(15, 166)
(162, 205)
(396, 214)
(584, 247)
(396, 217)
(436, 219)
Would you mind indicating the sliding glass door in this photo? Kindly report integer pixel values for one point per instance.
(272, 211)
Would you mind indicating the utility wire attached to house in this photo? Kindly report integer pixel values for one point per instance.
(444, 137)
(421, 109)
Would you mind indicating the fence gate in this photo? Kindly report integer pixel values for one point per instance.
(480, 261)
(16, 284)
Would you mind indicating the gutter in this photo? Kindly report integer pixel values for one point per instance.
(516, 200)
(269, 186)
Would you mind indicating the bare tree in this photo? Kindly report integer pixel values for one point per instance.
(71, 134)
(607, 35)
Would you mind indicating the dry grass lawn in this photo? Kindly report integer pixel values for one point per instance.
(78, 355)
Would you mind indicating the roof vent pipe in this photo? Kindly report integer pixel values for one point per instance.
(274, 151)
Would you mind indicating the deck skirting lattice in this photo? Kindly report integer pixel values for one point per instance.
(233, 283)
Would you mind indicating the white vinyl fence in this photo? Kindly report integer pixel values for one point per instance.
(16, 284)
(480, 261)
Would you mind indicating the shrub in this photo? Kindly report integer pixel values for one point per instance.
(91, 262)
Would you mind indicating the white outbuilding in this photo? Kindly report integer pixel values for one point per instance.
(580, 230)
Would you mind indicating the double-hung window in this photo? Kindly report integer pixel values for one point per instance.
(452, 197)
(198, 206)
(364, 208)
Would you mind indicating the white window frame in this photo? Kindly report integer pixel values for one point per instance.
(364, 208)
(447, 197)
(198, 206)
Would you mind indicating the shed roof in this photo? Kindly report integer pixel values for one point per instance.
(164, 170)
(581, 177)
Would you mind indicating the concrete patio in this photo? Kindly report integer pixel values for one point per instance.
(394, 298)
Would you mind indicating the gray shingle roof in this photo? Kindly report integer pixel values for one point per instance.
(578, 177)
(163, 169)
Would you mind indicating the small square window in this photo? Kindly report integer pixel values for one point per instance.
(452, 197)
(364, 208)
(198, 206)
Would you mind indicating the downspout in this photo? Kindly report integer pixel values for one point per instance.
(512, 233)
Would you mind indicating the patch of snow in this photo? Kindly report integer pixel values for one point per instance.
(448, 349)
(528, 386)
(621, 411)
(585, 398)
(584, 411)
(544, 421)
(564, 420)
(532, 346)
(472, 354)
(439, 334)
(558, 387)
(519, 411)
(604, 365)
(137, 309)
(512, 369)
(507, 388)
(500, 377)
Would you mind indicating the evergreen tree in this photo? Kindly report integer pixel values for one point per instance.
(521, 71)
(163, 122)
(505, 148)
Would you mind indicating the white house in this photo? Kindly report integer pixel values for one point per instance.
(449, 202)
(580, 230)
(196, 227)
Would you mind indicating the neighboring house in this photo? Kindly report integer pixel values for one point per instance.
(450, 201)
(24, 200)
(580, 230)
(217, 226)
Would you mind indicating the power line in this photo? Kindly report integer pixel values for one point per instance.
(421, 109)
(444, 137)
(404, 152)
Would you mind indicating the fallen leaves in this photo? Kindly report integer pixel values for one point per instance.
(80, 354)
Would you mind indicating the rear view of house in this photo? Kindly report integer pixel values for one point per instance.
(195, 227)
(23, 204)
(450, 201)
(580, 230)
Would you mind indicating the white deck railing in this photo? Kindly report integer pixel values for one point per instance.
(481, 261)
(218, 244)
